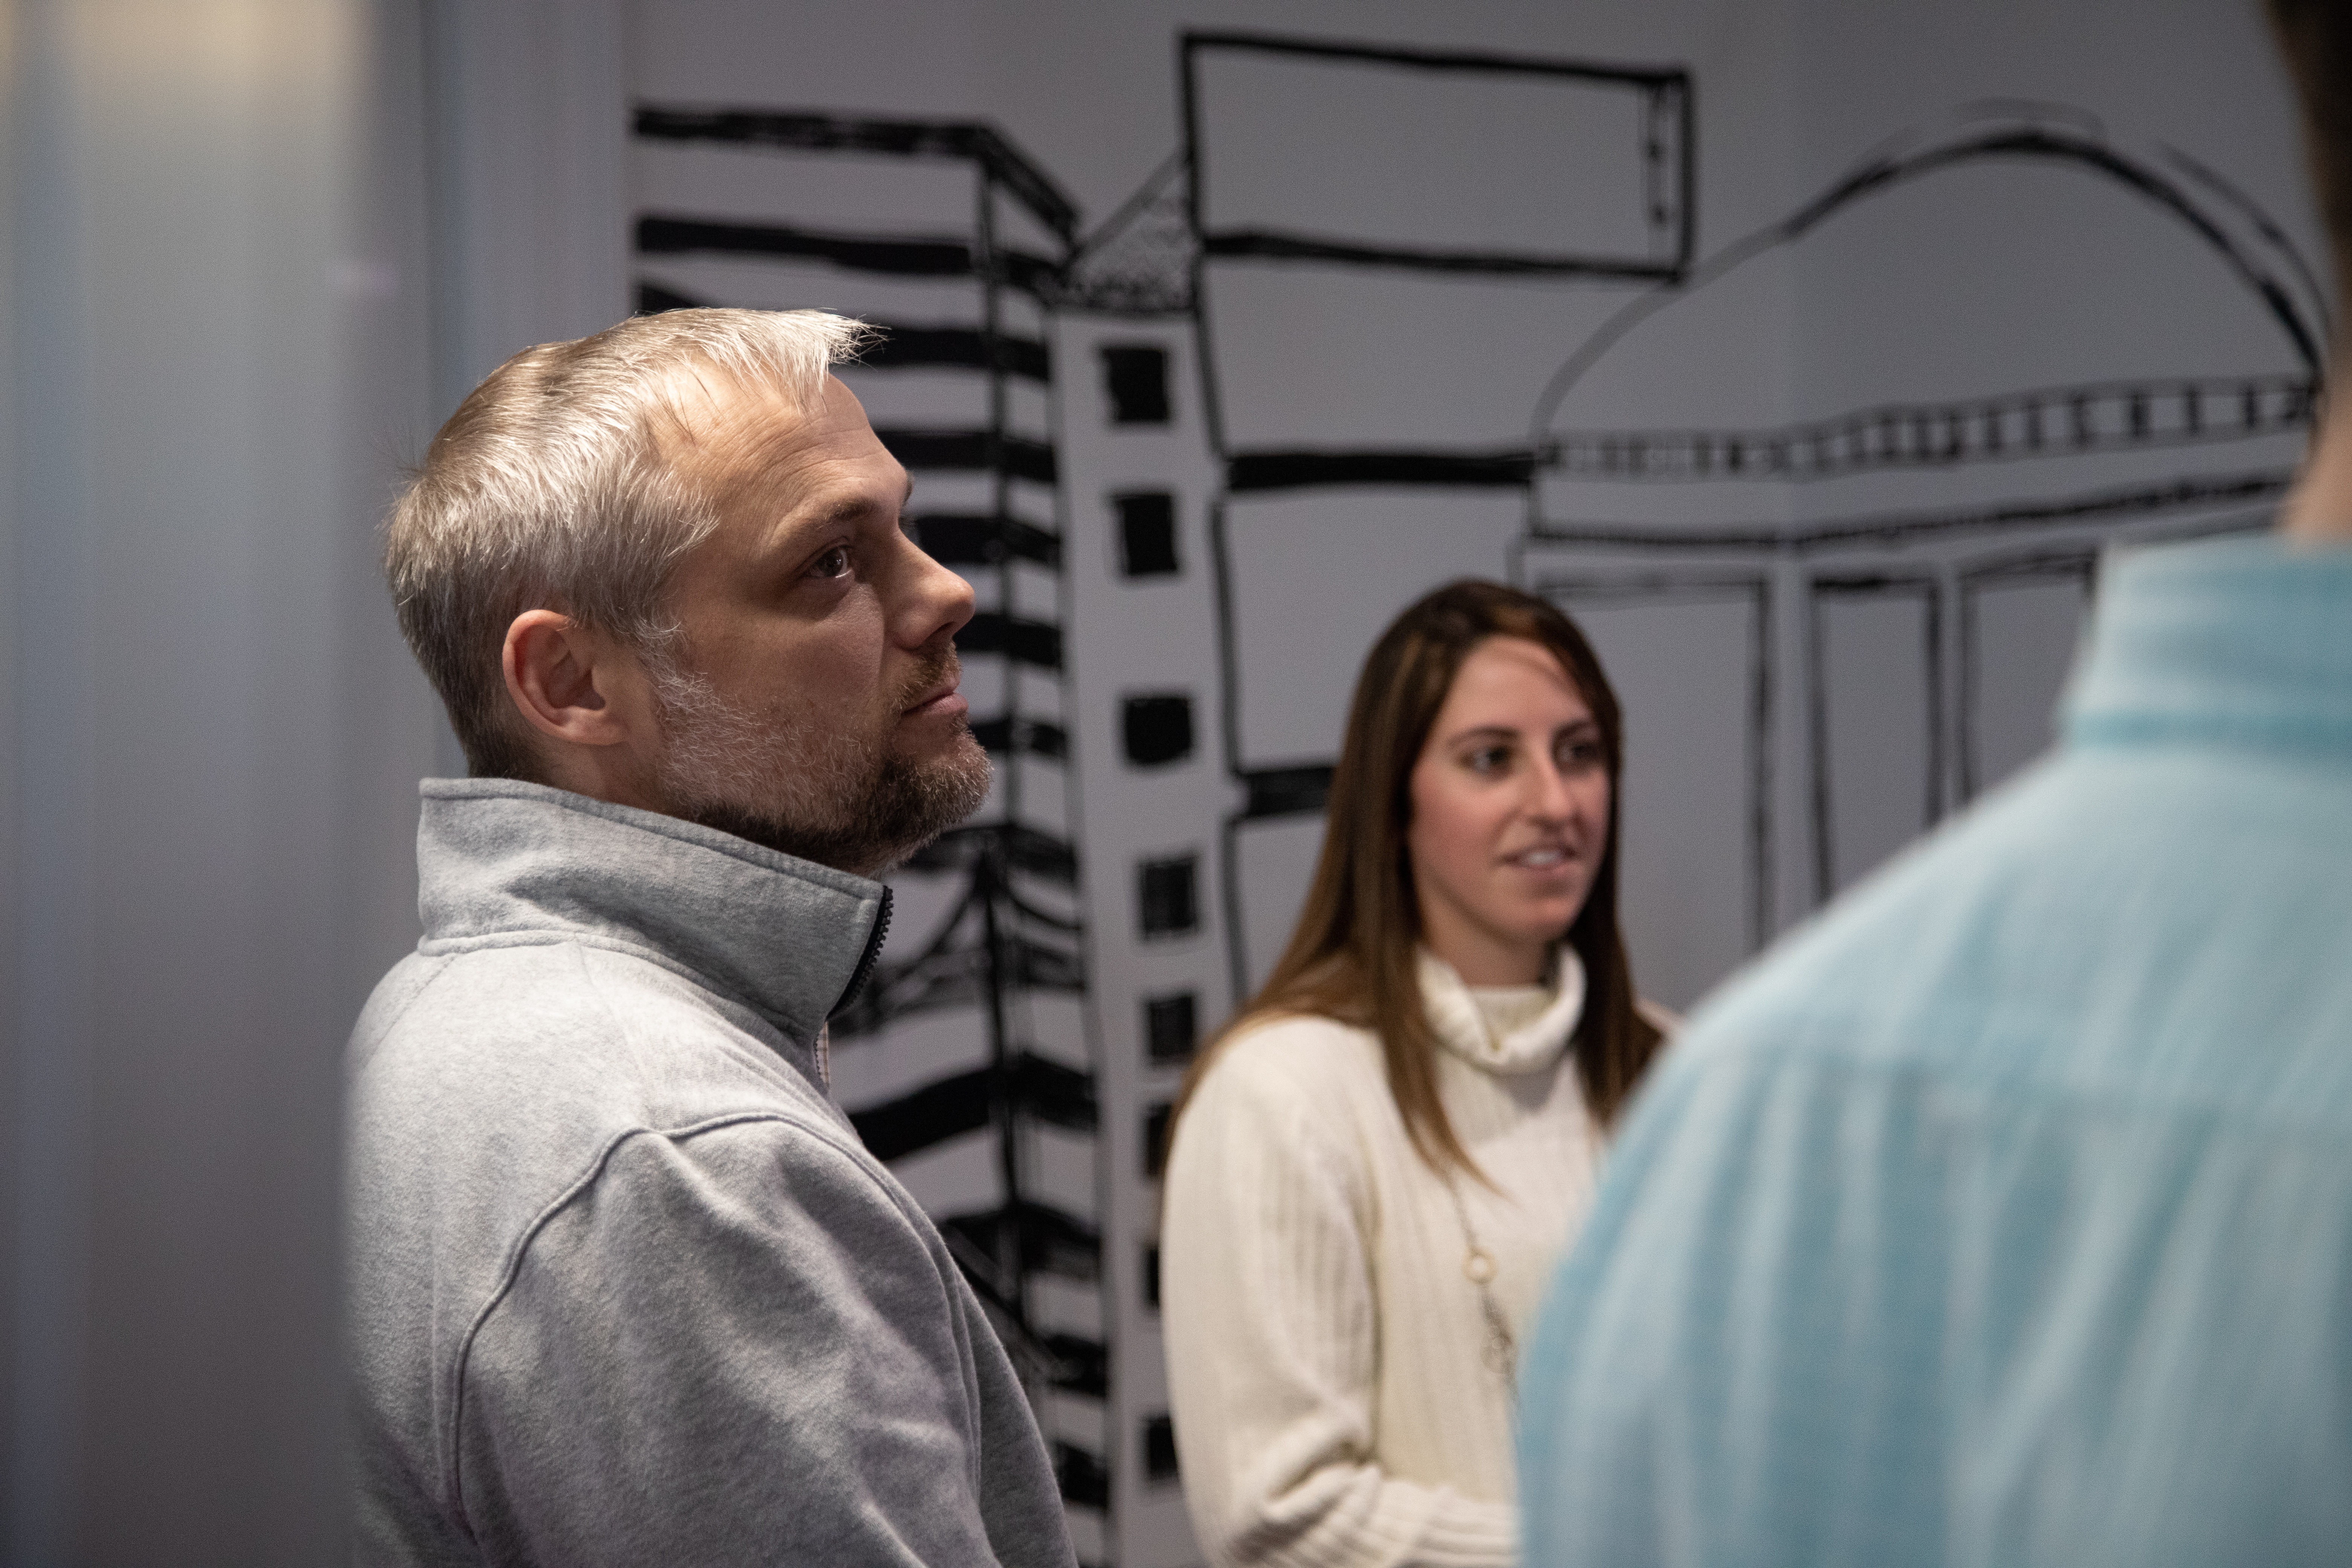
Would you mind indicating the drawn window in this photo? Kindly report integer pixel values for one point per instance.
(1170, 1028)
(1159, 1449)
(1169, 896)
(1155, 1138)
(1084, 1480)
(1156, 727)
(1134, 377)
(1147, 533)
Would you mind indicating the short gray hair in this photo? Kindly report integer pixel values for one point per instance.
(551, 487)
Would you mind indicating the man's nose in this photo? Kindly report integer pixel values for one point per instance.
(936, 603)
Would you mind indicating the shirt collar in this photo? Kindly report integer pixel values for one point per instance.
(2243, 642)
(1461, 1028)
(500, 860)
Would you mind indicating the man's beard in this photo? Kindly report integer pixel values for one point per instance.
(837, 798)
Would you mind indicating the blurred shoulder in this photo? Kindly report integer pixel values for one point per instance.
(1302, 1055)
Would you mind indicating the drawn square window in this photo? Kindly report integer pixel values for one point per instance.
(1155, 1139)
(1147, 533)
(1168, 894)
(1151, 1275)
(1156, 727)
(1084, 1480)
(1170, 1028)
(1135, 377)
(1159, 1449)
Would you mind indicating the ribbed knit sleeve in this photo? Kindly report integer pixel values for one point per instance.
(1273, 1339)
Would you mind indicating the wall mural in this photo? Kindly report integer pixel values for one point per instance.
(1829, 629)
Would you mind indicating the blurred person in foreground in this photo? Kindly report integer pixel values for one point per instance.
(625, 1287)
(2004, 1216)
(1374, 1168)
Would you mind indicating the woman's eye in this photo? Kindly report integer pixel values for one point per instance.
(1488, 759)
(1580, 755)
(834, 562)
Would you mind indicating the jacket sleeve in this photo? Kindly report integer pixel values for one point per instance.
(1274, 1347)
(739, 1343)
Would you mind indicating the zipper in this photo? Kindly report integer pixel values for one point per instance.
(872, 955)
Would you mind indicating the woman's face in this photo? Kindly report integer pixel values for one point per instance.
(1510, 813)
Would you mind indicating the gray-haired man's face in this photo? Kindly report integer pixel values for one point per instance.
(814, 707)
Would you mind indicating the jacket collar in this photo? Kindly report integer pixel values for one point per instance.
(1461, 1028)
(2240, 642)
(500, 861)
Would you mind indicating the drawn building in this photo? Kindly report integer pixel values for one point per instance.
(1439, 222)
(970, 1063)
(1861, 592)
(2043, 341)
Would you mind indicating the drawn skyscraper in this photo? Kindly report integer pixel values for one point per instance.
(967, 1064)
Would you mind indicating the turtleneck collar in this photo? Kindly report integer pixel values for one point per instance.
(501, 861)
(1461, 1026)
(2239, 642)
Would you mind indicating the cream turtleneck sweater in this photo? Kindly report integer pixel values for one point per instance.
(1337, 1394)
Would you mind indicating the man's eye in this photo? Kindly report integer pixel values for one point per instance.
(834, 562)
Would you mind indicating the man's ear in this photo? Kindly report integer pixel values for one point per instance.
(570, 682)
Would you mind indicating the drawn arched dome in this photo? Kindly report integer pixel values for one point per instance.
(2011, 311)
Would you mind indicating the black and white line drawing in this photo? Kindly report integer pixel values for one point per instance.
(1837, 604)
(1890, 527)
(1002, 1068)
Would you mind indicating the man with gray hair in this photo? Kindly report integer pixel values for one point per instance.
(625, 1287)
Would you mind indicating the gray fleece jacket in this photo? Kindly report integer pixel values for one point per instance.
(625, 1287)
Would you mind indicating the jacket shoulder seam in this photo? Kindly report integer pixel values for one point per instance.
(511, 1269)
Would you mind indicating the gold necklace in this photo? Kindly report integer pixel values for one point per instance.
(1502, 1352)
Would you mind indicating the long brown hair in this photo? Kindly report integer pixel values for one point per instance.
(1352, 955)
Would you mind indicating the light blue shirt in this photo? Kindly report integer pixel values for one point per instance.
(2003, 1216)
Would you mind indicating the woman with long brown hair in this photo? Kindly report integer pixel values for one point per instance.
(1371, 1170)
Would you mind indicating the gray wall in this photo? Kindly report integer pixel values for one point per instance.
(211, 362)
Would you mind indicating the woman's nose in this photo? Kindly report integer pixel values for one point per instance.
(1547, 793)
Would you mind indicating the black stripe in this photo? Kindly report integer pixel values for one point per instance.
(1481, 61)
(1286, 792)
(952, 1107)
(1249, 471)
(930, 1115)
(903, 255)
(969, 451)
(961, 347)
(1049, 1240)
(1416, 258)
(1025, 642)
(957, 976)
(654, 298)
(665, 236)
(902, 348)
(978, 539)
(984, 144)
